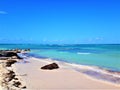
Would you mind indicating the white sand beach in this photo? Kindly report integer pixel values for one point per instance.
(59, 79)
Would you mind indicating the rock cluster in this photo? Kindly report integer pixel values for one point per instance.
(8, 78)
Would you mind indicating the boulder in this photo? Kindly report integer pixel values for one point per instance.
(11, 54)
(50, 66)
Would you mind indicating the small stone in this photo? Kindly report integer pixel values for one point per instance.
(15, 78)
(17, 84)
(23, 87)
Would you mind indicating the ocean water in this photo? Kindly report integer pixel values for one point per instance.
(106, 56)
(103, 56)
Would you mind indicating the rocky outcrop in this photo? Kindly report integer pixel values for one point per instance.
(50, 66)
(11, 54)
(8, 78)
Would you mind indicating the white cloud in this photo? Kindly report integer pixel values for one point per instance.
(3, 12)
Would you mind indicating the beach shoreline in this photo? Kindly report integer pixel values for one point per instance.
(62, 78)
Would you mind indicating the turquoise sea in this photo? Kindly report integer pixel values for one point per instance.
(104, 56)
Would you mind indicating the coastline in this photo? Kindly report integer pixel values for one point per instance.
(62, 78)
(9, 80)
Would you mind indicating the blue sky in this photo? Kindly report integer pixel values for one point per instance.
(60, 21)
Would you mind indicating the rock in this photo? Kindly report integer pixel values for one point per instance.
(10, 62)
(15, 78)
(24, 87)
(26, 49)
(10, 76)
(50, 66)
(10, 54)
(17, 84)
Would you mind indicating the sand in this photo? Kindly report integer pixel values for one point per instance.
(63, 78)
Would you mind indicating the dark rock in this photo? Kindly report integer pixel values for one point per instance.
(23, 87)
(10, 76)
(28, 49)
(50, 66)
(17, 84)
(10, 54)
(15, 78)
(10, 62)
